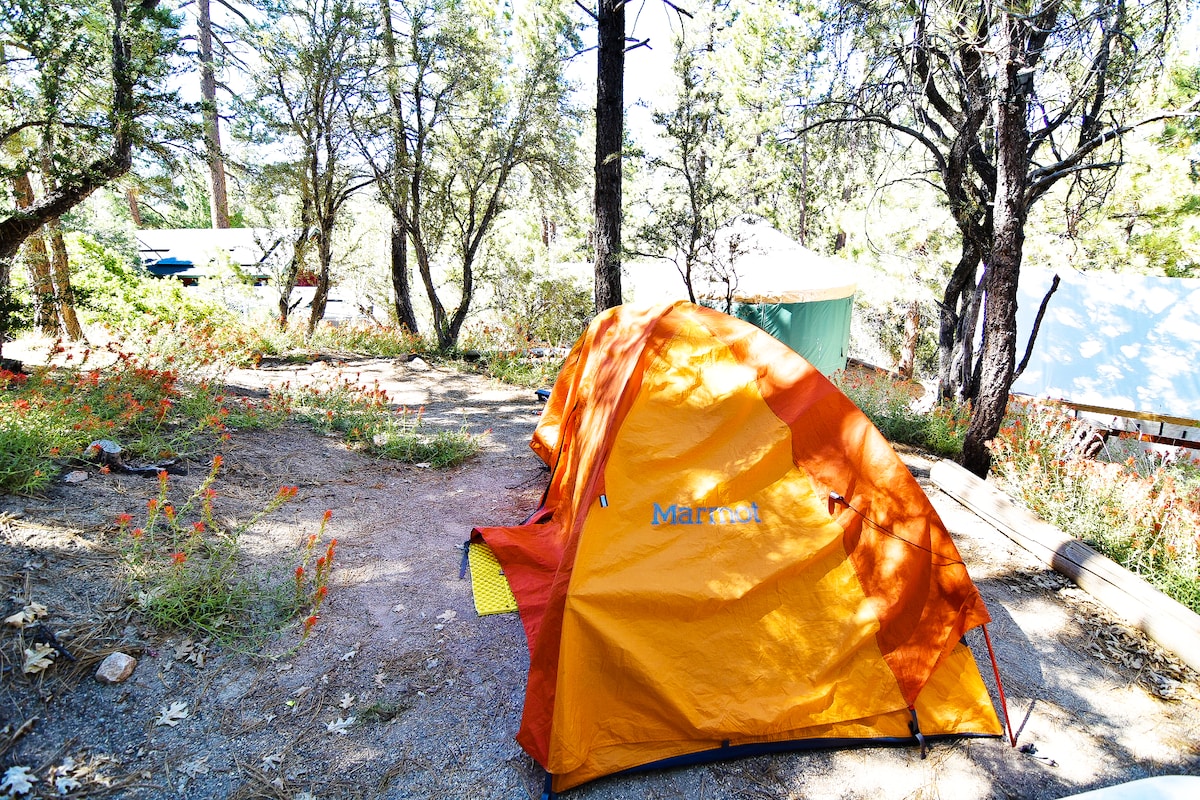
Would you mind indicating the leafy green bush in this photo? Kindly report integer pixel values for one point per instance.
(360, 338)
(521, 368)
(889, 404)
(364, 417)
(401, 438)
(112, 290)
(54, 414)
(886, 324)
(539, 309)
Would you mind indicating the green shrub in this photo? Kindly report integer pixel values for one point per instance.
(401, 438)
(889, 404)
(1138, 509)
(540, 309)
(54, 414)
(185, 568)
(364, 417)
(112, 290)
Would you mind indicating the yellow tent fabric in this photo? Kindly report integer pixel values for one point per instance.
(728, 555)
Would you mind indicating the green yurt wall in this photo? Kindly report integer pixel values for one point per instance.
(819, 330)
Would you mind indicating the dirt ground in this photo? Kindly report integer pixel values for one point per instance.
(403, 692)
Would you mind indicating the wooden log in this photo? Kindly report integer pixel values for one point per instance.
(1171, 624)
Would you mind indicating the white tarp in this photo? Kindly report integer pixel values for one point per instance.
(1126, 342)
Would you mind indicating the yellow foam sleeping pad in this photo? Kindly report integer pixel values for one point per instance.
(488, 584)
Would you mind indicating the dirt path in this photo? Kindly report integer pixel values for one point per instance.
(435, 692)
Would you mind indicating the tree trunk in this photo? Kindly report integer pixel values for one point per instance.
(299, 252)
(398, 202)
(440, 323)
(998, 357)
(405, 315)
(966, 368)
(38, 262)
(64, 294)
(802, 221)
(912, 333)
(40, 281)
(218, 198)
(135, 208)
(610, 133)
(958, 315)
(321, 295)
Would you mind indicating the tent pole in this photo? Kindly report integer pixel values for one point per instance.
(1012, 735)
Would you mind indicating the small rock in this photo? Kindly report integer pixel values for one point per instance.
(116, 668)
(418, 364)
(104, 446)
(77, 476)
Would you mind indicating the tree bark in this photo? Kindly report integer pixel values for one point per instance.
(405, 315)
(218, 198)
(64, 294)
(321, 295)
(610, 134)
(398, 202)
(60, 269)
(998, 356)
(299, 253)
(1037, 325)
(135, 208)
(38, 263)
(954, 307)
(912, 333)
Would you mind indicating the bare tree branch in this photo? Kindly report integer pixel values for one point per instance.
(1041, 179)
(589, 12)
(679, 10)
(1037, 324)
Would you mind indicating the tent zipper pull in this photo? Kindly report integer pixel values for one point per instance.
(915, 728)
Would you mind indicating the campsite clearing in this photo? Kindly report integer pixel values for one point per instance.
(403, 692)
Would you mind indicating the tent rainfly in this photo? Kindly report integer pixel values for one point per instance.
(729, 558)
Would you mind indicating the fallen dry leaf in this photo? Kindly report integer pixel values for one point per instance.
(18, 780)
(28, 614)
(38, 658)
(66, 784)
(174, 715)
(340, 725)
(194, 767)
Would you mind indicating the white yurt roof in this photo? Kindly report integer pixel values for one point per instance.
(771, 267)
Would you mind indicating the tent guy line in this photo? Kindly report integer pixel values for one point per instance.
(835, 498)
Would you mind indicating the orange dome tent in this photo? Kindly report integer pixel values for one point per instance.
(729, 557)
